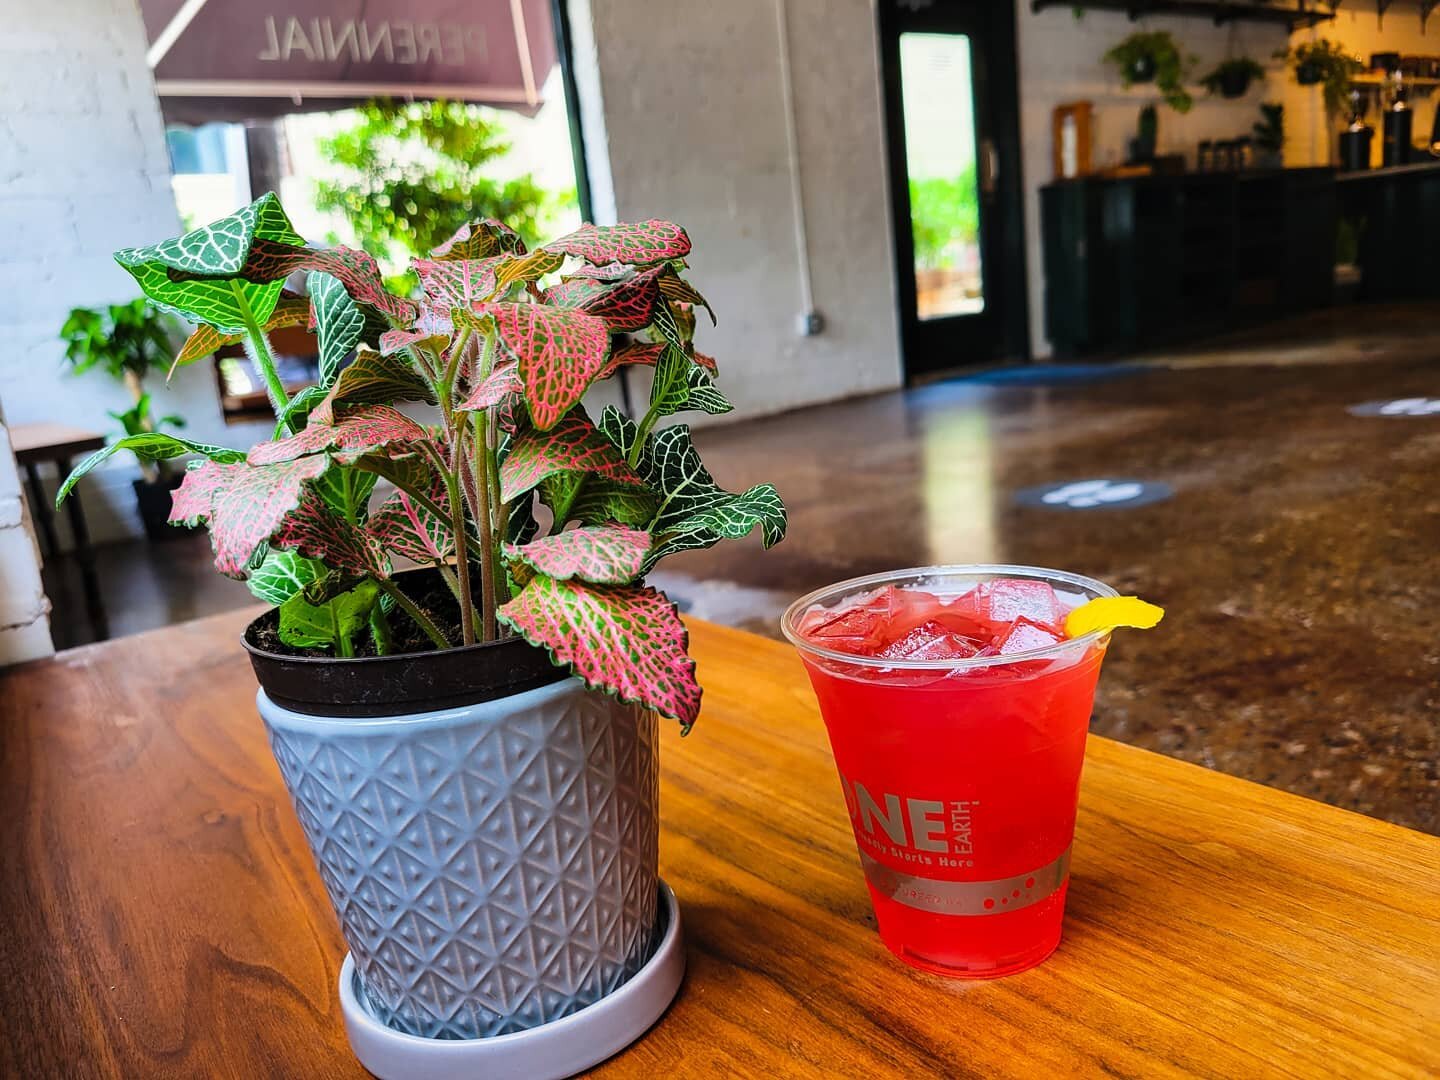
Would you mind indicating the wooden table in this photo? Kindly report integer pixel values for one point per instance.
(59, 444)
(162, 916)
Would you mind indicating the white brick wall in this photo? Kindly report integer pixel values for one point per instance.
(24, 611)
(83, 171)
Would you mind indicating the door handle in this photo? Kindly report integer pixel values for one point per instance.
(989, 167)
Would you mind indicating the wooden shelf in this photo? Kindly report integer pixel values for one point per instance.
(1219, 11)
(1370, 79)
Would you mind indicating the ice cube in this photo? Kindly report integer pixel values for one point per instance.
(1025, 634)
(856, 627)
(1005, 600)
(929, 641)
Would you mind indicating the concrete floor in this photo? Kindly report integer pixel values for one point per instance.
(1297, 556)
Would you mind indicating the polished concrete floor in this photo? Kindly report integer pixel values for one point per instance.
(1297, 556)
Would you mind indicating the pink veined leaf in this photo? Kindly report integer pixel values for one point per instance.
(559, 352)
(675, 287)
(624, 640)
(634, 243)
(573, 445)
(501, 383)
(456, 283)
(429, 324)
(356, 270)
(403, 526)
(317, 532)
(480, 240)
(243, 504)
(625, 306)
(648, 353)
(358, 431)
(372, 378)
(531, 267)
(601, 554)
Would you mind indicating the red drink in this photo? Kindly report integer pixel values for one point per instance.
(957, 712)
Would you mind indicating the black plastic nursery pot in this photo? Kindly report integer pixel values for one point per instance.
(400, 683)
(153, 499)
(1234, 84)
(1309, 73)
(1142, 69)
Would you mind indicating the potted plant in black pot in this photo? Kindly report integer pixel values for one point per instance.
(1324, 62)
(130, 342)
(1147, 56)
(1232, 78)
(471, 747)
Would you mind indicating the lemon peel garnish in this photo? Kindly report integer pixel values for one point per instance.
(1110, 612)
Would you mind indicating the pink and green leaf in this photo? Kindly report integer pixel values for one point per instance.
(206, 340)
(573, 445)
(633, 243)
(480, 240)
(648, 353)
(453, 283)
(404, 526)
(360, 431)
(375, 379)
(503, 382)
(269, 262)
(674, 287)
(559, 353)
(624, 640)
(315, 531)
(243, 504)
(600, 554)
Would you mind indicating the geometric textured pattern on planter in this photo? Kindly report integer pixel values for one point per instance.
(494, 866)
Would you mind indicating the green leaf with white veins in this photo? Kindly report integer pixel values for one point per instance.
(339, 324)
(694, 511)
(218, 252)
(148, 446)
(680, 383)
(282, 575)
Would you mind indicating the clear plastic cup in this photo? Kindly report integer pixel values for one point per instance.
(961, 776)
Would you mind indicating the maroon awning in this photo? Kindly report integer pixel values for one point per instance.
(235, 59)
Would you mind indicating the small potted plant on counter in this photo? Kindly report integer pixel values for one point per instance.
(1232, 78)
(1269, 135)
(1326, 62)
(130, 342)
(1147, 56)
(470, 747)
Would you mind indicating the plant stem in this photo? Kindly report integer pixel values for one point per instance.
(415, 612)
(261, 356)
(487, 498)
(642, 432)
(448, 576)
(462, 564)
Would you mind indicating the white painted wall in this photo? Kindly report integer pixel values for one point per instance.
(689, 126)
(1060, 61)
(24, 610)
(83, 171)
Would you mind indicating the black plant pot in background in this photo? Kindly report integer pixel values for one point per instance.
(153, 499)
(1234, 84)
(1309, 73)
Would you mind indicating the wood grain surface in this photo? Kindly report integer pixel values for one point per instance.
(160, 916)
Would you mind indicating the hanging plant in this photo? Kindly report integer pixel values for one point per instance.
(1232, 78)
(1154, 56)
(1323, 62)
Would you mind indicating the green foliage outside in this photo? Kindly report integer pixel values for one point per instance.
(945, 218)
(414, 172)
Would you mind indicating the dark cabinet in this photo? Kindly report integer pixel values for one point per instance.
(1158, 259)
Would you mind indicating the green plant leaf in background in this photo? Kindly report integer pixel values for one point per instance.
(211, 258)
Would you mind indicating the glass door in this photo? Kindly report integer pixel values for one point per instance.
(952, 135)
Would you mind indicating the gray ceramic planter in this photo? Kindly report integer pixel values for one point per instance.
(493, 865)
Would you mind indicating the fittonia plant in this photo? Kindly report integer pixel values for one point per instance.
(505, 342)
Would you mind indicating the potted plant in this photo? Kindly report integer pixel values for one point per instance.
(1153, 55)
(1232, 78)
(129, 342)
(1326, 62)
(1147, 135)
(1269, 134)
(471, 747)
